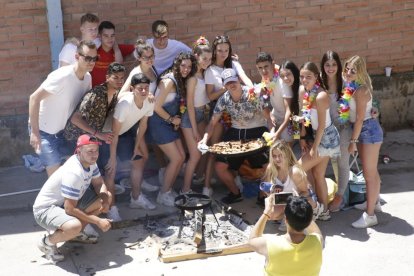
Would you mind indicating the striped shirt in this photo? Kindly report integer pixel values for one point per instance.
(70, 181)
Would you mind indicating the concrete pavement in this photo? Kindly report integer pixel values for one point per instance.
(386, 249)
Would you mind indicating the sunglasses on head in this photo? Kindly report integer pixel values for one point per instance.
(89, 58)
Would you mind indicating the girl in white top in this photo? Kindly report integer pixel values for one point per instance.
(367, 136)
(326, 138)
(288, 175)
(145, 57)
(193, 122)
(222, 58)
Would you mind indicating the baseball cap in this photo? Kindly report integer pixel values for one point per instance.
(86, 139)
(229, 75)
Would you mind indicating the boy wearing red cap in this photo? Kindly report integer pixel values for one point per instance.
(71, 200)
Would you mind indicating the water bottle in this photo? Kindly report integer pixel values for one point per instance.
(266, 187)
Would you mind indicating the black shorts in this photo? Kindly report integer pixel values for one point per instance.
(256, 160)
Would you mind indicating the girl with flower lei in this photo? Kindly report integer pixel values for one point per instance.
(368, 145)
(315, 111)
(193, 122)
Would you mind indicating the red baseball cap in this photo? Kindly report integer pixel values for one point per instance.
(86, 139)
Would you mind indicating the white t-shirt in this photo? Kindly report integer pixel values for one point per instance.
(70, 181)
(164, 58)
(281, 92)
(67, 54)
(213, 74)
(66, 91)
(128, 114)
(200, 94)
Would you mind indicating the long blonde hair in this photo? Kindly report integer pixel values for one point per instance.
(271, 172)
(361, 70)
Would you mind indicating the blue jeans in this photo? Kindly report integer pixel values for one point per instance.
(371, 132)
(199, 116)
(54, 147)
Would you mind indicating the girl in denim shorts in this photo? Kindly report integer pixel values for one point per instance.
(193, 122)
(315, 111)
(366, 136)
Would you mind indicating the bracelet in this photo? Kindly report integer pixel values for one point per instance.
(169, 120)
(354, 141)
(266, 215)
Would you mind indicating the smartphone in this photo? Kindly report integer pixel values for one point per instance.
(281, 198)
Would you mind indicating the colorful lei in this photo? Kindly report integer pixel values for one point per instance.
(343, 106)
(275, 73)
(308, 100)
(183, 106)
(226, 119)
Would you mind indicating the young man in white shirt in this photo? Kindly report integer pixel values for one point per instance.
(128, 128)
(51, 105)
(89, 31)
(165, 49)
(66, 204)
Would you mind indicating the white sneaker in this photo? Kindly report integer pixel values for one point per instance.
(325, 215)
(161, 173)
(51, 251)
(207, 191)
(148, 187)
(363, 206)
(113, 214)
(142, 203)
(239, 183)
(365, 221)
(166, 199)
(90, 231)
(317, 211)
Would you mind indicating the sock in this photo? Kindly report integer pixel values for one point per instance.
(47, 241)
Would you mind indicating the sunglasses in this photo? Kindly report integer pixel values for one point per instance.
(148, 58)
(352, 71)
(89, 58)
(224, 37)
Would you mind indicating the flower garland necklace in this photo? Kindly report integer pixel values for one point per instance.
(308, 100)
(343, 104)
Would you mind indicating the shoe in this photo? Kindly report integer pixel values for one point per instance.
(84, 238)
(317, 211)
(148, 187)
(232, 198)
(239, 183)
(207, 191)
(90, 231)
(324, 216)
(141, 202)
(113, 214)
(198, 180)
(51, 251)
(161, 173)
(365, 221)
(282, 227)
(186, 193)
(337, 204)
(167, 199)
(363, 206)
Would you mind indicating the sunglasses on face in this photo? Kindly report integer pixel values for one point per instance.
(148, 58)
(89, 58)
(351, 71)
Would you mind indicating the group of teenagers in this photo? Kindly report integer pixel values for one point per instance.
(179, 99)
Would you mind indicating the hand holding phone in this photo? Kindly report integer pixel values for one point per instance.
(281, 198)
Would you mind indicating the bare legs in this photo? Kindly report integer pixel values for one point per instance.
(176, 156)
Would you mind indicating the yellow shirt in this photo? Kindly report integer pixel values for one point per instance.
(289, 259)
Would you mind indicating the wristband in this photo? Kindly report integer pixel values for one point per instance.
(354, 141)
(266, 215)
(169, 120)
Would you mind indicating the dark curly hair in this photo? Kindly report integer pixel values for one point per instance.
(175, 69)
(290, 65)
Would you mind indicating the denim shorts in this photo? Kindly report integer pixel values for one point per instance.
(329, 145)
(199, 116)
(371, 132)
(54, 147)
(53, 217)
(124, 149)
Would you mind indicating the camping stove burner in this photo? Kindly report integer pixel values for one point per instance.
(192, 202)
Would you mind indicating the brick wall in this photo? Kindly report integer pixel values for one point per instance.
(298, 30)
